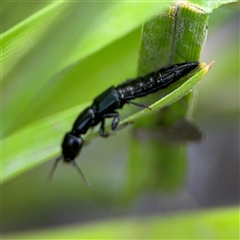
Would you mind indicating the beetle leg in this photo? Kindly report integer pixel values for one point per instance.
(115, 116)
(102, 133)
(115, 121)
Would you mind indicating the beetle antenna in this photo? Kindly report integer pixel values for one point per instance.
(50, 175)
(81, 174)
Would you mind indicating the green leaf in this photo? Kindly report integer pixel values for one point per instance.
(34, 92)
(209, 6)
(211, 224)
(34, 144)
(40, 51)
(23, 37)
(153, 163)
(173, 37)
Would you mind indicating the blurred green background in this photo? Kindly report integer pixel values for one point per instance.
(29, 202)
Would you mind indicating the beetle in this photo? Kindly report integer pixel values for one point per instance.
(105, 105)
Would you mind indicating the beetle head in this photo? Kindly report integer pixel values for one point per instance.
(71, 147)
